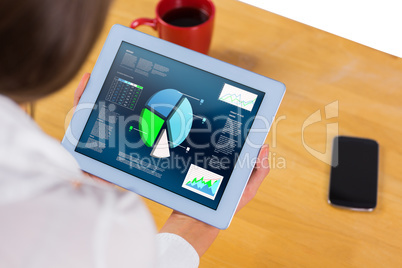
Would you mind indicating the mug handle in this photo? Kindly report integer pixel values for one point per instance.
(144, 21)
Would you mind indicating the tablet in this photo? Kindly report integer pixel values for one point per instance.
(173, 125)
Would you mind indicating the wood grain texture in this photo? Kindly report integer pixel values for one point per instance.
(289, 223)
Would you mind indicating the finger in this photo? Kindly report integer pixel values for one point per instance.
(262, 163)
(261, 156)
(95, 178)
(81, 87)
(261, 168)
(258, 175)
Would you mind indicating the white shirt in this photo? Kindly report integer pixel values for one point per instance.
(46, 221)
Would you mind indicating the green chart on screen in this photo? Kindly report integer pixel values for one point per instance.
(165, 122)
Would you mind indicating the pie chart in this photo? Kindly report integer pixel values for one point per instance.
(165, 122)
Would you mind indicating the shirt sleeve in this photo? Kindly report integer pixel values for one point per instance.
(175, 251)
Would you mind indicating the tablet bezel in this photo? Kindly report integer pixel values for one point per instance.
(222, 216)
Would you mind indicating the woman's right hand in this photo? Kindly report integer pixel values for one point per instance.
(201, 235)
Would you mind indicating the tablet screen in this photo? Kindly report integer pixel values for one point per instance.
(170, 124)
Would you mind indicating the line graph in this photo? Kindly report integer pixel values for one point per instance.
(238, 97)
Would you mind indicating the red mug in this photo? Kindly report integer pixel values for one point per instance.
(188, 23)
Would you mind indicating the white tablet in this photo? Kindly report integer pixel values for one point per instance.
(173, 125)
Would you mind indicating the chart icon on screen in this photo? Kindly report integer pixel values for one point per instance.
(165, 122)
(202, 181)
(238, 97)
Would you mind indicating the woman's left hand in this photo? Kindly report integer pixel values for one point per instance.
(77, 96)
(81, 87)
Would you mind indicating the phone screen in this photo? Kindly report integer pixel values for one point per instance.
(354, 173)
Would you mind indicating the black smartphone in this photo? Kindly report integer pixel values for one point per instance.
(354, 173)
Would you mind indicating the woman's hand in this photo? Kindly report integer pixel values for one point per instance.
(201, 235)
(261, 170)
(77, 96)
(81, 87)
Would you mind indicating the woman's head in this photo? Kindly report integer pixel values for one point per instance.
(44, 42)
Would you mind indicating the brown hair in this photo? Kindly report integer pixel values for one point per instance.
(44, 42)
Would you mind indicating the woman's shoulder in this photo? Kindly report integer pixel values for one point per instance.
(27, 153)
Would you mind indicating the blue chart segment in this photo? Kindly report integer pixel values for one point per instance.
(179, 123)
(202, 181)
(164, 101)
(238, 97)
(169, 116)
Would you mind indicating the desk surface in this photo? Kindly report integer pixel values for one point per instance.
(289, 223)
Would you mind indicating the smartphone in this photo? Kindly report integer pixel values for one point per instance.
(354, 173)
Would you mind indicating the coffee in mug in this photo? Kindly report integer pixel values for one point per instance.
(188, 23)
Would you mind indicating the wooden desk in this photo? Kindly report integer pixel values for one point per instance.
(289, 223)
